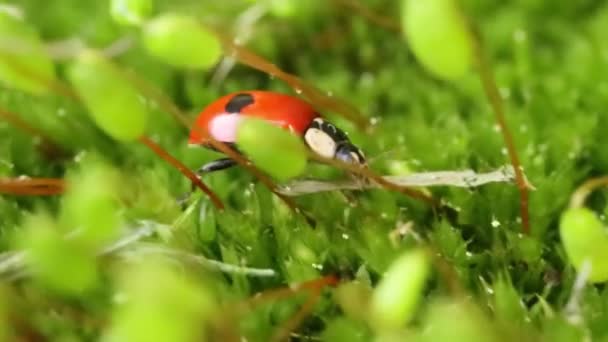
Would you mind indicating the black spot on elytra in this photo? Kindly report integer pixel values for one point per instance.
(238, 102)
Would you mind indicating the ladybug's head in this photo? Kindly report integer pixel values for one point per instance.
(349, 153)
(328, 141)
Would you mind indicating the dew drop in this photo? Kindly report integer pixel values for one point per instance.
(505, 92)
(523, 128)
(120, 298)
(519, 35)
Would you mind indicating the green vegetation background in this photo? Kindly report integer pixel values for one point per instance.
(550, 59)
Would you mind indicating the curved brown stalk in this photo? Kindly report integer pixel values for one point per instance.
(286, 292)
(491, 89)
(152, 92)
(313, 287)
(577, 200)
(159, 151)
(54, 86)
(294, 321)
(373, 17)
(262, 177)
(313, 94)
(48, 146)
(327, 38)
(32, 186)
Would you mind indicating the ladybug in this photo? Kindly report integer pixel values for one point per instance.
(220, 120)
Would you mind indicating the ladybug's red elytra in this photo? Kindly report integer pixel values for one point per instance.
(220, 120)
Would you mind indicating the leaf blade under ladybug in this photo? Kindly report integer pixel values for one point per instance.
(464, 178)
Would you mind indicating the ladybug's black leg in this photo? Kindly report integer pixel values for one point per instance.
(216, 165)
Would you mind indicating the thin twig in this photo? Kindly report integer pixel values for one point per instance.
(294, 321)
(358, 7)
(69, 48)
(26, 186)
(314, 95)
(491, 89)
(13, 264)
(55, 86)
(579, 196)
(222, 147)
(217, 202)
(152, 92)
(572, 311)
(244, 28)
(47, 145)
(153, 248)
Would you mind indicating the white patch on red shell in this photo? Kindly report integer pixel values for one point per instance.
(223, 127)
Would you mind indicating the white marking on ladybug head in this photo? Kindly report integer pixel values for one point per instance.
(320, 142)
(224, 126)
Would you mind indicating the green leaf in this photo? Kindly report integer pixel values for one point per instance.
(113, 103)
(24, 63)
(131, 12)
(438, 36)
(91, 206)
(273, 149)
(181, 41)
(396, 297)
(457, 321)
(284, 8)
(162, 305)
(584, 238)
(57, 263)
(344, 330)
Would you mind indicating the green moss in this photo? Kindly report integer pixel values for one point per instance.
(549, 58)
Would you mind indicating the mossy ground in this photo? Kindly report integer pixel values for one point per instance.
(550, 59)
